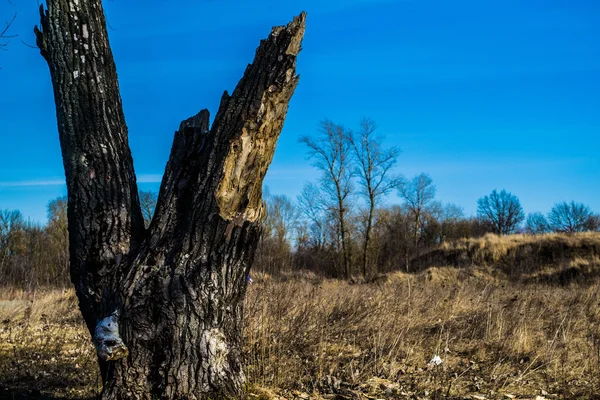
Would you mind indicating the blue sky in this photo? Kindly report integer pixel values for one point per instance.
(482, 95)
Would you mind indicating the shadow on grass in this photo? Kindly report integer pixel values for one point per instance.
(52, 386)
(7, 393)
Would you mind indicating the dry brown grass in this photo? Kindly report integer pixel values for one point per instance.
(493, 247)
(523, 257)
(44, 346)
(496, 335)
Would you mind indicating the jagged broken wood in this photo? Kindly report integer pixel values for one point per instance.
(177, 286)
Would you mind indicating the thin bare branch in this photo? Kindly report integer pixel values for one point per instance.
(3, 34)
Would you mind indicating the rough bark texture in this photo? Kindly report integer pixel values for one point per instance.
(176, 289)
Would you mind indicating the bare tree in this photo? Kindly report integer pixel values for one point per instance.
(442, 221)
(148, 200)
(312, 205)
(274, 251)
(57, 230)
(331, 153)
(417, 193)
(317, 240)
(571, 217)
(452, 214)
(536, 224)
(373, 170)
(396, 234)
(12, 228)
(502, 210)
(593, 223)
(32, 255)
(282, 215)
(164, 305)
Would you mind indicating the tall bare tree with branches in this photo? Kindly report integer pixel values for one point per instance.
(571, 217)
(374, 164)
(417, 193)
(331, 154)
(502, 210)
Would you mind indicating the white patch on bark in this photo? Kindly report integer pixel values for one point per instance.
(215, 351)
(83, 59)
(75, 74)
(107, 341)
(84, 31)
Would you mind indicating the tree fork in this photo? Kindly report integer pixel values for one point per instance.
(164, 305)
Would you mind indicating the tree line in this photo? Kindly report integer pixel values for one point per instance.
(339, 226)
(32, 255)
(296, 237)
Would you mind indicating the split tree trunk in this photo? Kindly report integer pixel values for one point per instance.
(177, 287)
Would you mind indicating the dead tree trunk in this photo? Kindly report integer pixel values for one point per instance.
(164, 305)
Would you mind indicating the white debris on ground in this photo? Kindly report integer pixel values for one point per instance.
(107, 341)
(435, 361)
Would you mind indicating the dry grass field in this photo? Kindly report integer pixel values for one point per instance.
(509, 317)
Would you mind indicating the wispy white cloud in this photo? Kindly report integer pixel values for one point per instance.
(143, 178)
(36, 182)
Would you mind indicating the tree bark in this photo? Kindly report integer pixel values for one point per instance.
(416, 237)
(365, 262)
(173, 292)
(345, 250)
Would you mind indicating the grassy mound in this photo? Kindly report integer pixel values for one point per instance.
(551, 258)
